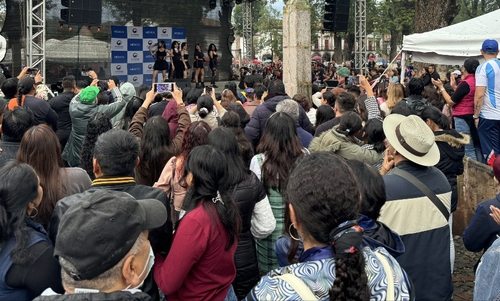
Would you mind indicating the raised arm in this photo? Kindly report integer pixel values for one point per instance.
(137, 125)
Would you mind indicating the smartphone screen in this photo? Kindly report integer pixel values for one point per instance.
(85, 73)
(32, 72)
(352, 80)
(163, 87)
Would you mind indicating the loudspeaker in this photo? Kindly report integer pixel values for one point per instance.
(181, 83)
(341, 18)
(82, 12)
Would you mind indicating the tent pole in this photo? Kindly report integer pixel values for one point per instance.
(403, 66)
(392, 62)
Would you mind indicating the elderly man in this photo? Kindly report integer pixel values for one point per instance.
(103, 247)
(116, 154)
(418, 205)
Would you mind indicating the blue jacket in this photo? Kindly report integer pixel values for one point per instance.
(304, 136)
(482, 230)
(255, 127)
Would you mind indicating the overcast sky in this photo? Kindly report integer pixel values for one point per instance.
(279, 5)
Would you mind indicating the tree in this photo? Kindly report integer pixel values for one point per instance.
(430, 15)
(395, 17)
(270, 31)
(472, 8)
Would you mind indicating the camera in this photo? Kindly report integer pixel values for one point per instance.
(352, 80)
(32, 72)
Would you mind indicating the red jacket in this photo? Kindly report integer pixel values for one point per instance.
(466, 106)
(197, 267)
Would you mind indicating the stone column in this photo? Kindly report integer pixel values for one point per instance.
(297, 47)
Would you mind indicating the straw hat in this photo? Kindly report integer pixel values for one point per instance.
(412, 138)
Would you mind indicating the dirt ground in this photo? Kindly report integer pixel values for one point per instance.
(463, 274)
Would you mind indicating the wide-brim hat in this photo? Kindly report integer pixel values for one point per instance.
(412, 138)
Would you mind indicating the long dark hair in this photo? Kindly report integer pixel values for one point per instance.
(210, 48)
(231, 120)
(18, 187)
(281, 146)
(41, 149)
(208, 166)
(205, 105)
(99, 124)
(375, 134)
(156, 150)
(24, 86)
(132, 107)
(224, 139)
(349, 126)
(324, 193)
(195, 135)
(323, 114)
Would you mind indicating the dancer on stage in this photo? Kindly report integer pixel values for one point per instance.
(178, 66)
(160, 55)
(185, 58)
(214, 62)
(198, 65)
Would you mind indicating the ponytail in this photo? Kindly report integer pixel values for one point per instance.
(351, 281)
(349, 126)
(24, 87)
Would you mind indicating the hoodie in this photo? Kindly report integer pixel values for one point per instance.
(128, 92)
(376, 234)
(451, 146)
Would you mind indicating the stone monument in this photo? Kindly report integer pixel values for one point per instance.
(297, 48)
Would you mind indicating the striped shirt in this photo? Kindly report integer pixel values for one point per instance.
(488, 75)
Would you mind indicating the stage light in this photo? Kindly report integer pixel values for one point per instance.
(212, 4)
(70, 28)
(226, 3)
(239, 1)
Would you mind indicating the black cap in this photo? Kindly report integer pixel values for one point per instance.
(98, 231)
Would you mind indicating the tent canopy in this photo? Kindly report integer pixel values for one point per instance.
(453, 44)
(91, 50)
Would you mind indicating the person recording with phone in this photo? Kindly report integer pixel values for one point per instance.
(204, 109)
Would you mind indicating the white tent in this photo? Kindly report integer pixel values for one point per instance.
(451, 45)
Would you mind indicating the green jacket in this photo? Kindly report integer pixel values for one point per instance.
(80, 114)
(339, 144)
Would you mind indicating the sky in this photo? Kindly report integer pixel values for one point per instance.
(279, 5)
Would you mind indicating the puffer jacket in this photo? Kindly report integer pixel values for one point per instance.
(255, 127)
(452, 150)
(337, 143)
(80, 114)
(246, 194)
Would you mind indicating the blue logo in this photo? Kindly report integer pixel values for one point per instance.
(118, 67)
(119, 42)
(135, 45)
(135, 54)
(135, 78)
(134, 30)
(164, 30)
(150, 42)
(150, 66)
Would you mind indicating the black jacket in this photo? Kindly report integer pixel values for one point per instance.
(246, 194)
(451, 148)
(160, 238)
(42, 111)
(9, 150)
(60, 104)
(118, 296)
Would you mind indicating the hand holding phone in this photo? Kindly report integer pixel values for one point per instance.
(163, 87)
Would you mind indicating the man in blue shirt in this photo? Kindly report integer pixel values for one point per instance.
(486, 109)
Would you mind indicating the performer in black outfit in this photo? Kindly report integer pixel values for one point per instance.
(214, 62)
(185, 58)
(198, 65)
(177, 60)
(160, 54)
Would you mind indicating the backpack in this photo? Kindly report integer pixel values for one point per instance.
(416, 105)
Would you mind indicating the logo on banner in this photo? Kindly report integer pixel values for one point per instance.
(150, 66)
(164, 30)
(150, 42)
(134, 30)
(135, 78)
(118, 67)
(119, 42)
(135, 54)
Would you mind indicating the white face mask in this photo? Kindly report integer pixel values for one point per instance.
(148, 267)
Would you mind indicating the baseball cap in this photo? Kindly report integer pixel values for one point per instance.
(89, 94)
(101, 228)
(457, 72)
(490, 46)
(343, 72)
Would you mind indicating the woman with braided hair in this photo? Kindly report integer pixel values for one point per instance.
(322, 203)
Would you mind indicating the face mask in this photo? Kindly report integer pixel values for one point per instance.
(148, 267)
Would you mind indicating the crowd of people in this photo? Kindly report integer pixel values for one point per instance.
(111, 192)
